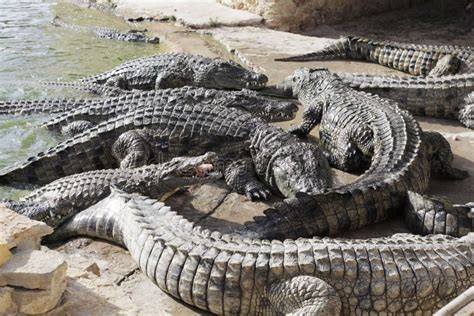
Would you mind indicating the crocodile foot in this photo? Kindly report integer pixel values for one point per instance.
(466, 115)
(256, 191)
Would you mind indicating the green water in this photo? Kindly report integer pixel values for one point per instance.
(33, 50)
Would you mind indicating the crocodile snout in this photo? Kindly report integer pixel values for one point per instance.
(256, 81)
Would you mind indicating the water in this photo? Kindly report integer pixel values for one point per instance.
(33, 50)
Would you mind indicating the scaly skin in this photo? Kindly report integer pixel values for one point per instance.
(418, 60)
(177, 128)
(432, 215)
(174, 70)
(227, 274)
(104, 109)
(448, 97)
(65, 197)
(355, 126)
(96, 110)
(108, 33)
(466, 114)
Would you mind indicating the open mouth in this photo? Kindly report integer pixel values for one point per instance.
(205, 170)
(255, 84)
(276, 117)
(282, 117)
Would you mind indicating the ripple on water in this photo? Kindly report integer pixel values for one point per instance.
(21, 138)
(32, 50)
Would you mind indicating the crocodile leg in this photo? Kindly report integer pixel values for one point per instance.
(240, 175)
(346, 148)
(466, 114)
(447, 65)
(442, 157)
(132, 149)
(76, 127)
(311, 118)
(430, 215)
(343, 149)
(169, 80)
(304, 295)
(341, 152)
(117, 82)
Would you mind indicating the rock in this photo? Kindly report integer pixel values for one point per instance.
(38, 301)
(5, 254)
(32, 281)
(7, 305)
(94, 268)
(19, 231)
(34, 269)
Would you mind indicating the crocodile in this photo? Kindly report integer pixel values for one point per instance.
(434, 215)
(56, 202)
(418, 60)
(232, 274)
(172, 70)
(156, 134)
(96, 110)
(108, 33)
(450, 97)
(354, 127)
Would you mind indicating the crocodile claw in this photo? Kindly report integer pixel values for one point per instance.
(258, 193)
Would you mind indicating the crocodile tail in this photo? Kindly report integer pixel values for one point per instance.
(84, 152)
(26, 107)
(429, 215)
(93, 88)
(57, 21)
(86, 222)
(337, 50)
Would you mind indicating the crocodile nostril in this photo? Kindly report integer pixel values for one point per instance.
(262, 78)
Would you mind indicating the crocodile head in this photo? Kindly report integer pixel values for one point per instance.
(226, 74)
(184, 171)
(305, 77)
(135, 37)
(153, 40)
(300, 167)
(272, 110)
(289, 165)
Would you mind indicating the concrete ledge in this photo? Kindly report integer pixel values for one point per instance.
(299, 15)
(192, 13)
(250, 42)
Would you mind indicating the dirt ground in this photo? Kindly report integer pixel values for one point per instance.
(105, 274)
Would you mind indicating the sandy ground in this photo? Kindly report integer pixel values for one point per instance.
(105, 274)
